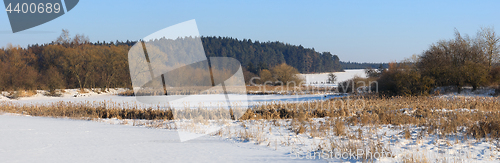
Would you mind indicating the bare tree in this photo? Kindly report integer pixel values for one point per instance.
(64, 37)
(458, 62)
(286, 74)
(489, 42)
(332, 78)
(266, 77)
(80, 39)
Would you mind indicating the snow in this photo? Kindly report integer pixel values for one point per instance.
(38, 139)
(194, 101)
(277, 136)
(451, 92)
(391, 138)
(312, 79)
(111, 97)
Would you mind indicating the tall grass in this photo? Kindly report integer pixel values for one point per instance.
(346, 123)
(84, 110)
(255, 90)
(479, 117)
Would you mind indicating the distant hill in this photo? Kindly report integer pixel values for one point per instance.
(364, 65)
(255, 55)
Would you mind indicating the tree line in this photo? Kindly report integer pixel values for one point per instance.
(256, 56)
(461, 61)
(75, 62)
(65, 63)
(364, 65)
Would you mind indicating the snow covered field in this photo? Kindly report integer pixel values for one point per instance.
(73, 95)
(385, 143)
(39, 139)
(320, 79)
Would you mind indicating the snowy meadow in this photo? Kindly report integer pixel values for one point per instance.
(279, 127)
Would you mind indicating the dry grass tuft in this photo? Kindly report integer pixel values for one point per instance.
(407, 133)
(339, 127)
(20, 93)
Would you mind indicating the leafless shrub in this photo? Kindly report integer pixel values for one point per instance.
(407, 133)
(127, 93)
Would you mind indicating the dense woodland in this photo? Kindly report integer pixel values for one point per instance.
(364, 65)
(74, 62)
(262, 55)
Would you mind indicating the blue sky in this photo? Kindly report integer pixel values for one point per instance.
(362, 31)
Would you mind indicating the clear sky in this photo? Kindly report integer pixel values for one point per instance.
(362, 31)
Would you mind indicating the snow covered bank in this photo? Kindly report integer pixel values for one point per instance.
(194, 100)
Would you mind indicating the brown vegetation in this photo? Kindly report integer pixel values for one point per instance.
(465, 117)
(86, 110)
(478, 116)
(67, 63)
(448, 116)
(359, 85)
(459, 62)
(281, 74)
